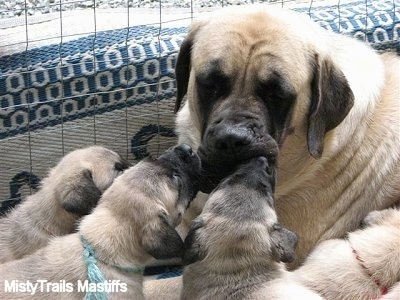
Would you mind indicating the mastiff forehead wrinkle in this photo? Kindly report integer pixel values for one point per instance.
(215, 49)
(213, 62)
(212, 68)
(244, 66)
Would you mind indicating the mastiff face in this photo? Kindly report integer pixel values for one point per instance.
(256, 76)
(253, 80)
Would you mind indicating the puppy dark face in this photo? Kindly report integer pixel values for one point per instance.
(256, 176)
(182, 164)
(179, 168)
(152, 196)
(170, 181)
(239, 219)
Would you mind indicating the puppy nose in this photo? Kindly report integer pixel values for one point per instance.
(262, 161)
(231, 138)
(186, 149)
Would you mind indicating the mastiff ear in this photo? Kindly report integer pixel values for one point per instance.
(331, 101)
(81, 195)
(283, 243)
(182, 70)
(192, 248)
(161, 240)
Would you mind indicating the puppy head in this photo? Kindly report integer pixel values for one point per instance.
(252, 74)
(283, 243)
(239, 221)
(81, 177)
(183, 165)
(151, 197)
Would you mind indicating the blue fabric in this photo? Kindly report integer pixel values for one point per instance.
(171, 273)
(94, 274)
(373, 21)
(116, 73)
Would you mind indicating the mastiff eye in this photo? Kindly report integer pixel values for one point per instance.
(210, 88)
(276, 87)
(213, 84)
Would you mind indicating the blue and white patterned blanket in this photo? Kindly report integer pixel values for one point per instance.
(95, 74)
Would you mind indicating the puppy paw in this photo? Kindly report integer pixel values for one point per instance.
(379, 217)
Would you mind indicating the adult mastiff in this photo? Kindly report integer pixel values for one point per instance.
(252, 74)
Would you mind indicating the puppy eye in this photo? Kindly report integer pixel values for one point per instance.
(176, 176)
(119, 167)
(89, 174)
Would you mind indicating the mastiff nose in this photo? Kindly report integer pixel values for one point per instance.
(232, 138)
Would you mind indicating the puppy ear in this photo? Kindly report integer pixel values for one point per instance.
(182, 70)
(81, 195)
(162, 241)
(284, 243)
(193, 251)
(331, 100)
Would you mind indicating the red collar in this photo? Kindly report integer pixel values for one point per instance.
(383, 289)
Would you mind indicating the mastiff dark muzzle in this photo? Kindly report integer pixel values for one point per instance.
(244, 89)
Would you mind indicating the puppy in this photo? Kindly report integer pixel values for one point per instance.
(256, 73)
(70, 191)
(366, 265)
(235, 248)
(133, 221)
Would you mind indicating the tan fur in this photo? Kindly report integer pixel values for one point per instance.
(238, 247)
(393, 294)
(359, 170)
(42, 215)
(283, 288)
(163, 289)
(125, 222)
(333, 271)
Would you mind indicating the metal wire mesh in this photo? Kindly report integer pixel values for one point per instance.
(118, 116)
